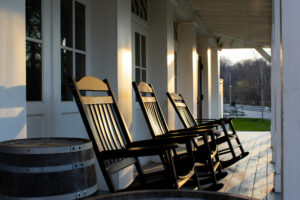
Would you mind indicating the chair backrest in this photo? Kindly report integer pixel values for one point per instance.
(150, 108)
(182, 110)
(103, 122)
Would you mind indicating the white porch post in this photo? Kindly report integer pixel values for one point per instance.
(290, 31)
(13, 121)
(215, 82)
(276, 95)
(112, 57)
(188, 64)
(161, 49)
(205, 53)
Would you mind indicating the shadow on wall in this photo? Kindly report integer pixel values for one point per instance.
(12, 113)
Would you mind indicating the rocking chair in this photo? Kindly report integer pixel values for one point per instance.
(188, 121)
(158, 128)
(114, 147)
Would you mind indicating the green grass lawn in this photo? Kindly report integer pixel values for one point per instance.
(251, 124)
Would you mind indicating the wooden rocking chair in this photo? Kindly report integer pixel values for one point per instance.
(158, 128)
(188, 121)
(114, 147)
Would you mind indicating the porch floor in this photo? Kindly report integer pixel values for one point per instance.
(252, 176)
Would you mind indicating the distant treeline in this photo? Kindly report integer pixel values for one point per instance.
(250, 81)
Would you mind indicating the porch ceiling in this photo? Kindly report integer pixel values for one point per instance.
(236, 23)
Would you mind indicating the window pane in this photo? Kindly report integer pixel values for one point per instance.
(79, 26)
(66, 70)
(144, 75)
(132, 6)
(144, 9)
(33, 19)
(137, 7)
(137, 50)
(66, 22)
(143, 51)
(137, 75)
(80, 66)
(33, 71)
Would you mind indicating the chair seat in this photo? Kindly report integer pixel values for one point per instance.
(153, 180)
(184, 165)
(217, 132)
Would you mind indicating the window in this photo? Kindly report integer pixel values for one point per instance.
(140, 8)
(73, 44)
(34, 45)
(140, 58)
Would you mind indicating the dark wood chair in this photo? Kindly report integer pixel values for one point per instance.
(203, 152)
(114, 147)
(188, 121)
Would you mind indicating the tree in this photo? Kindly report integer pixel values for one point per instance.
(250, 81)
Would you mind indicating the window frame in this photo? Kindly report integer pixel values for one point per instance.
(73, 49)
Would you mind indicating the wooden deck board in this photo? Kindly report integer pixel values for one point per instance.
(261, 175)
(246, 179)
(233, 171)
(252, 176)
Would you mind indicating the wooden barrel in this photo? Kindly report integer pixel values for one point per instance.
(47, 168)
(170, 195)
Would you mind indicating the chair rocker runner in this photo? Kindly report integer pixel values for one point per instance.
(113, 145)
(188, 121)
(159, 129)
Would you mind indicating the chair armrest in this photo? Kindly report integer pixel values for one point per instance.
(181, 139)
(211, 124)
(227, 120)
(150, 150)
(206, 119)
(202, 122)
(150, 142)
(198, 131)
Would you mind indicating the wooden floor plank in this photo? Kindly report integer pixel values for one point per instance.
(261, 178)
(237, 176)
(270, 177)
(230, 170)
(248, 144)
(252, 176)
(247, 182)
(257, 178)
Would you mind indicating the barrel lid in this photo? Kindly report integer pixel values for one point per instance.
(171, 195)
(45, 145)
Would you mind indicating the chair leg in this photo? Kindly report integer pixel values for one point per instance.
(190, 152)
(236, 138)
(228, 139)
(171, 167)
(221, 173)
(210, 161)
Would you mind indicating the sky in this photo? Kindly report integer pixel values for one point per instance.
(236, 55)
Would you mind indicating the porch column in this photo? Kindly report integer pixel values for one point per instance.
(12, 70)
(290, 31)
(188, 64)
(161, 58)
(215, 81)
(205, 53)
(276, 96)
(112, 57)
